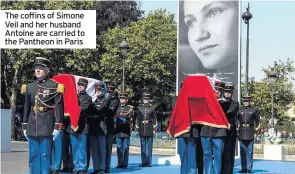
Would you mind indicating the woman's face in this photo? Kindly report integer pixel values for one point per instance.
(213, 31)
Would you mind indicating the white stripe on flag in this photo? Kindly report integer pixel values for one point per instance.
(90, 90)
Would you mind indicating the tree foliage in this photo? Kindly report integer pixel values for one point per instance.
(17, 64)
(282, 89)
(108, 15)
(151, 58)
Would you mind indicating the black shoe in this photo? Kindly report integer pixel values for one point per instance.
(243, 171)
(55, 172)
(83, 171)
(124, 167)
(66, 170)
(95, 172)
(142, 165)
(101, 171)
(70, 170)
(76, 172)
(118, 167)
(249, 171)
(149, 165)
(107, 170)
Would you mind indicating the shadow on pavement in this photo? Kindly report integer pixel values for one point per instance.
(133, 167)
(237, 169)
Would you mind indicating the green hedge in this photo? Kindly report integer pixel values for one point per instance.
(170, 144)
(165, 144)
(289, 149)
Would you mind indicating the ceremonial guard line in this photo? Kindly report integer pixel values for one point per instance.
(205, 112)
(69, 118)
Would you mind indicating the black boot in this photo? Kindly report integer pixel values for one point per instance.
(55, 172)
(142, 165)
(83, 172)
(243, 171)
(95, 172)
(66, 170)
(100, 171)
(76, 172)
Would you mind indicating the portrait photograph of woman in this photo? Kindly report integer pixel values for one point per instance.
(209, 40)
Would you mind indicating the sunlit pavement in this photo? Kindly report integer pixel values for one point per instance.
(17, 162)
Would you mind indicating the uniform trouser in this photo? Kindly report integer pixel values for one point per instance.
(67, 158)
(57, 153)
(228, 159)
(146, 143)
(79, 151)
(123, 150)
(187, 152)
(199, 161)
(40, 154)
(246, 151)
(212, 146)
(109, 145)
(98, 151)
(88, 151)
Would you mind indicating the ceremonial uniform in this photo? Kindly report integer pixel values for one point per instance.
(213, 140)
(231, 135)
(56, 157)
(98, 131)
(43, 117)
(187, 149)
(123, 125)
(79, 137)
(146, 122)
(247, 116)
(110, 125)
(67, 158)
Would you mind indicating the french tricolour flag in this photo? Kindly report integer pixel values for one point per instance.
(91, 85)
(71, 102)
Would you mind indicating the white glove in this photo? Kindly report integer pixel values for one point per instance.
(25, 134)
(55, 134)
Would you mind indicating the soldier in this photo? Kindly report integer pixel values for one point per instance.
(146, 122)
(231, 135)
(56, 154)
(187, 148)
(213, 138)
(67, 158)
(98, 130)
(247, 116)
(79, 137)
(43, 116)
(110, 124)
(123, 125)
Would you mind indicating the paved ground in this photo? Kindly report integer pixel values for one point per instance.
(17, 162)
